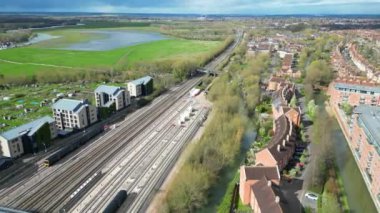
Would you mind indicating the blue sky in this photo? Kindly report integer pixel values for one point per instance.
(253, 7)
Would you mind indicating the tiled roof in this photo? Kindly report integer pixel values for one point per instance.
(257, 172)
(29, 128)
(265, 197)
(112, 90)
(69, 104)
(282, 130)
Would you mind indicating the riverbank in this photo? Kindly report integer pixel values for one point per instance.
(358, 195)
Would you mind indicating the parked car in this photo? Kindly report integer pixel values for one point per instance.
(311, 196)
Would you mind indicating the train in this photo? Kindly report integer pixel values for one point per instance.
(81, 191)
(116, 202)
(64, 151)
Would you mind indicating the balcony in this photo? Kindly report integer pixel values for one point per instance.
(369, 175)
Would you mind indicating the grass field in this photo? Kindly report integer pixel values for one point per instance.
(41, 56)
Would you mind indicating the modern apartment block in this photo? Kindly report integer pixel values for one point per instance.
(72, 114)
(140, 87)
(105, 96)
(354, 92)
(22, 139)
(364, 131)
(362, 127)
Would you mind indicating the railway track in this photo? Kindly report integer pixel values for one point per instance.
(145, 186)
(135, 153)
(51, 193)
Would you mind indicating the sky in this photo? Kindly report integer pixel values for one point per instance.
(249, 7)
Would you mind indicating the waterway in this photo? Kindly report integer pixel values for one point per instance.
(112, 39)
(358, 195)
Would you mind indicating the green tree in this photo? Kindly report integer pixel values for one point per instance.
(43, 136)
(312, 109)
(293, 101)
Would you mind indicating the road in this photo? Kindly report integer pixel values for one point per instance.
(50, 189)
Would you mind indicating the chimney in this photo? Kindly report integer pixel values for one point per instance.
(269, 183)
(287, 138)
(291, 128)
(284, 142)
(277, 199)
(278, 148)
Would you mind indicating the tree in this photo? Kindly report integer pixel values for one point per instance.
(318, 72)
(312, 109)
(293, 101)
(43, 137)
(347, 108)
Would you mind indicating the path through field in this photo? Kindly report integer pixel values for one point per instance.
(46, 65)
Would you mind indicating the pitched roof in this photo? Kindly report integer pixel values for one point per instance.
(29, 128)
(143, 80)
(265, 197)
(112, 90)
(257, 172)
(69, 104)
(282, 130)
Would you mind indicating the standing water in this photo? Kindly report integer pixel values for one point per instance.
(358, 196)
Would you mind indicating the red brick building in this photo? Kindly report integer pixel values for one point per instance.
(251, 175)
(354, 91)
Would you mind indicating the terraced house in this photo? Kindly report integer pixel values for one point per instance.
(259, 184)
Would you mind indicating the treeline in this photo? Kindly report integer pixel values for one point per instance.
(13, 22)
(198, 30)
(220, 143)
(15, 36)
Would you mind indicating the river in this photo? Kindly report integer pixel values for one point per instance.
(358, 195)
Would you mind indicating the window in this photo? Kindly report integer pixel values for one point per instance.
(18, 148)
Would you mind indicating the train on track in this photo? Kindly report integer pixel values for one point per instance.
(116, 202)
(64, 151)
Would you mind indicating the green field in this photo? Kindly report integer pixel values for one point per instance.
(37, 58)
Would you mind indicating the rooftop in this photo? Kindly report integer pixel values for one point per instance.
(69, 104)
(265, 196)
(370, 118)
(258, 172)
(142, 80)
(108, 89)
(360, 87)
(29, 128)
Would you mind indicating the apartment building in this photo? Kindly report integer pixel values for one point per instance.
(22, 139)
(354, 91)
(105, 96)
(364, 130)
(72, 114)
(141, 87)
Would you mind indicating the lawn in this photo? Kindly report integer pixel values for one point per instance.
(157, 50)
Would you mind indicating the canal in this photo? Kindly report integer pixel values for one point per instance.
(358, 195)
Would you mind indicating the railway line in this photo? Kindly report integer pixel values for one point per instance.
(129, 160)
(38, 200)
(151, 180)
(53, 186)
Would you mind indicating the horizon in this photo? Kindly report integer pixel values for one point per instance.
(210, 7)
